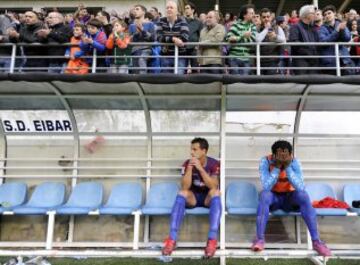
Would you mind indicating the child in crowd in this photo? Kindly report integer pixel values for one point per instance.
(118, 42)
(76, 65)
(94, 39)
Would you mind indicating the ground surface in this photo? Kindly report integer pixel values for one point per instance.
(133, 261)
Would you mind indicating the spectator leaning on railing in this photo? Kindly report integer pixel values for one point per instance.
(5, 25)
(318, 19)
(141, 31)
(304, 32)
(353, 27)
(76, 65)
(104, 17)
(58, 33)
(229, 21)
(243, 31)
(269, 32)
(81, 16)
(195, 26)
(294, 19)
(155, 12)
(212, 32)
(334, 31)
(285, 50)
(28, 34)
(118, 43)
(172, 29)
(95, 39)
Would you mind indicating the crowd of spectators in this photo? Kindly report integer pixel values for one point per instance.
(143, 41)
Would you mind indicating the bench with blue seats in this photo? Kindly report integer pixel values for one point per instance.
(126, 199)
(12, 195)
(317, 192)
(241, 198)
(161, 199)
(352, 193)
(84, 198)
(46, 197)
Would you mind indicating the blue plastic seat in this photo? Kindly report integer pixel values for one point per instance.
(198, 211)
(161, 198)
(352, 193)
(123, 200)
(241, 198)
(46, 196)
(284, 213)
(317, 192)
(85, 197)
(11, 195)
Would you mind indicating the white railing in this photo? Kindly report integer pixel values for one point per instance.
(255, 58)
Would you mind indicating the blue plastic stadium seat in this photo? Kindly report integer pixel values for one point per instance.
(198, 211)
(85, 197)
(352, 193)
(46, 196)
(161, 198)
(317, 192)
(123, 200)
(241, 198)
(11, 195)
(284, 213)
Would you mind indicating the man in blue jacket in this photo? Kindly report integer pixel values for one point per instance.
(141, 31)
(283, 188)
(334, 30)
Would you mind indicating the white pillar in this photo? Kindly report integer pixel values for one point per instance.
(316, 3)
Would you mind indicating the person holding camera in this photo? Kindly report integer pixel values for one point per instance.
(269, 32)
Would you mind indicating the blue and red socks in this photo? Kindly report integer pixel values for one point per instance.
(177, 216)
(214, 217)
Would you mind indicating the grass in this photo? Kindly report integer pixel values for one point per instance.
(137, 261)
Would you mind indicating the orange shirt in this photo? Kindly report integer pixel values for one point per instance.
(283, 184)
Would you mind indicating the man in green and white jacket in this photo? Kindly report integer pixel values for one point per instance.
(243, 31)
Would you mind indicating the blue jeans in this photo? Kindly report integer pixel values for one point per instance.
(56, 68)
(141, 62)
(242, 67)
(169, 62)
(5, 64)
(289, 201)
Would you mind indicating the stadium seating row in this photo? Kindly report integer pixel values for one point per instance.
(126, 199)
(241, 199)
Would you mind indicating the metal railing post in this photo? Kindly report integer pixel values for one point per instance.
(178, 67)
(12, 60)
(93, 67)
(258, 72)
(176, 60)
(337, 58)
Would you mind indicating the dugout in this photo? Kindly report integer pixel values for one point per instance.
(147, 123)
